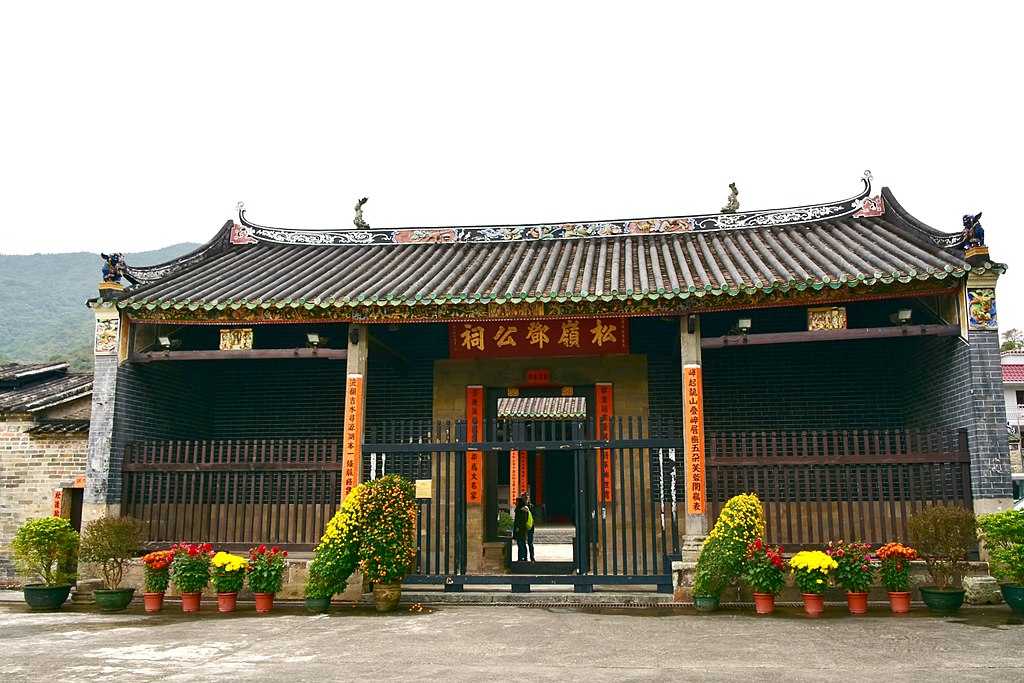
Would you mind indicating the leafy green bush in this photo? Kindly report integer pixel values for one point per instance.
(723, 554)
(943, 535)
(111, 542)
(387, 546)
(505, 524)
(45, 547)
(1003, 534)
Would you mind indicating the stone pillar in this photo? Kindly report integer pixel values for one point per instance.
(695, 526)
(102, 468)
(986, 427)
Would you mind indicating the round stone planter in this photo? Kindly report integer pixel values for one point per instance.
(857, 603)
(190, 602)
(318, 605)
(705, 603)
(115, 600)
(1014, 597)
(386, 596)
(814, 604)
(264, 602)
(899, 602)
(226, 602)
(764, 603)
(154, 602)
(42, 598)
(942, 601)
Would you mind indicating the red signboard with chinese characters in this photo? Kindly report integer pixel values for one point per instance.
(352, 440)
(693, 422)
(513, 478)
(603, 419)
(58, 503)
(547, 337)
(474, 433)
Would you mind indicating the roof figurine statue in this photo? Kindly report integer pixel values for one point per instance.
(358, 220)
(115, 268)
(733, 205)
(974, 234)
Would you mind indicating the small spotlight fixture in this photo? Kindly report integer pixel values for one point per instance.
(904, 315)
(743, 324)
(314, 339)
(165, 343)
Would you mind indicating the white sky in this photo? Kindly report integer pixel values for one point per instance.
(129, 126)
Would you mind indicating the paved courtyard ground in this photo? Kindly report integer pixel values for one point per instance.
(507, 643)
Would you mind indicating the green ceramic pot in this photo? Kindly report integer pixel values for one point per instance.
(318, 605)
(115, 600)
(705, 603)
(42, 598)
(1013, 594)
(942, 601)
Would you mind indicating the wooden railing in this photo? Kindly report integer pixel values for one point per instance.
(233, 493)
(852, 485)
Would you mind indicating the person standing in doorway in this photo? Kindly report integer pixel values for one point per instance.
(522, 528)
(530, 524)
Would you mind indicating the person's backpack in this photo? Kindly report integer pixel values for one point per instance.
(529, 518)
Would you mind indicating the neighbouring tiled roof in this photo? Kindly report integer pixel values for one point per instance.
(60, 428)
(1013, 374)
(17, 373)
(847, 243)
(45, 391)
(543, 408)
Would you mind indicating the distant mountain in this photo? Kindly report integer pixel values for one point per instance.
(42, 303)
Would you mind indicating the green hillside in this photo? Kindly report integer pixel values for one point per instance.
(42, 303)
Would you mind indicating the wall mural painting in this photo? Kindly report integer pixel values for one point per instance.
(107, 336)
(981, 309)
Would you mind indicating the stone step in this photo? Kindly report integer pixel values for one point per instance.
(542, 567)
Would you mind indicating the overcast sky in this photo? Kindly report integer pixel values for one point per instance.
(130, 126)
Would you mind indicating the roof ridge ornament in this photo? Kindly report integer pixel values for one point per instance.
(733, 204)
(358, 220)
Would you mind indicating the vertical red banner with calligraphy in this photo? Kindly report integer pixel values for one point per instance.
(524, 472)
(603, 423)
(693, 421)
(352, 439)
(513, 478)
(58, 503)
(474, 433)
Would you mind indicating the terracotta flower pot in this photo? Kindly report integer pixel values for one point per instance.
(899, 602)
(386, 596)
(190, 602)
(226, 602)
(857, 602)
(814, 604)
(764, 603)
(154, 602)
(264, 602)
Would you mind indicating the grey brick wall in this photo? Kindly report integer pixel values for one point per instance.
(101, 431)
(990, 450)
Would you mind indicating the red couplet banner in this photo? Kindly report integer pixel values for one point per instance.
(474, 432)
(547, 337)
(352, 439)
(603, 418)
(693, 423)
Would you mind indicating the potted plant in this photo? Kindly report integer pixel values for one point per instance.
(227, 573)
(110, 542)
(190, 572)
(811, 570)
(337, 554)
(722, 555)
(266, 574)
(765, 572)
(943, 535)
(46, 548)
(1003, 535)
(855, 572)
(894, 568)
(387, 543)
(156, 573)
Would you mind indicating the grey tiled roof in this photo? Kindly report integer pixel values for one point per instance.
(44, 391)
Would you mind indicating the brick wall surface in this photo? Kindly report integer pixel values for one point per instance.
(987, 435)
(31, 469)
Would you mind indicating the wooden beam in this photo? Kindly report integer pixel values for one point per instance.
(253, 354)
(735, 341)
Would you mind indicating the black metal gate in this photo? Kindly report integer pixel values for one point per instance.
(626, 495)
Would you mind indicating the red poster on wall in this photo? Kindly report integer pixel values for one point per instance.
(693, 422)
(603, 419)
(352, 439)
(58, 503)
(474, 432)
(547, 337)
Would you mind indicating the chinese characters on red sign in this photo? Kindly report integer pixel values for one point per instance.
(474, 433)
(513, 478)
(693, 423)
(352, 440)
(603, 418)
(548, 337)
(58, 503)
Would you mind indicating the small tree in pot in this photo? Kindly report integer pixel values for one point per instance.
(1003, 534)
(46, 548)
(110, 543)
(943, 535)
(387, 546)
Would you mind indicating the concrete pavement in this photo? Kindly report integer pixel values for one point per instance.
(503, 643)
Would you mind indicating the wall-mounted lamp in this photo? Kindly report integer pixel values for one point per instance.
(313, 339)
(164, 342)
(743, 324)
(903, 316)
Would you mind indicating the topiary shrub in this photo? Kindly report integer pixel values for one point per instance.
(943, 535)
(110, 543)
(723, 553)
(387, 544)
(45, 547)
(337, 555)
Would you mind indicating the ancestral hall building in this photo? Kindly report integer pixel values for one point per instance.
(840, 359)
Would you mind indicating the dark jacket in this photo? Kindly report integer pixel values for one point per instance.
(520, 521)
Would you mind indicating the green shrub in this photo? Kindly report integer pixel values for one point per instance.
(723, 554)
(111, 542)
(387, 544)
(1003, 534)
(46, 547)
(943, 535)
(505, 524)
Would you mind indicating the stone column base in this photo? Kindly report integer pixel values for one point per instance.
(691, 546)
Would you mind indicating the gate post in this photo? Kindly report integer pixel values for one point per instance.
(696, 516)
